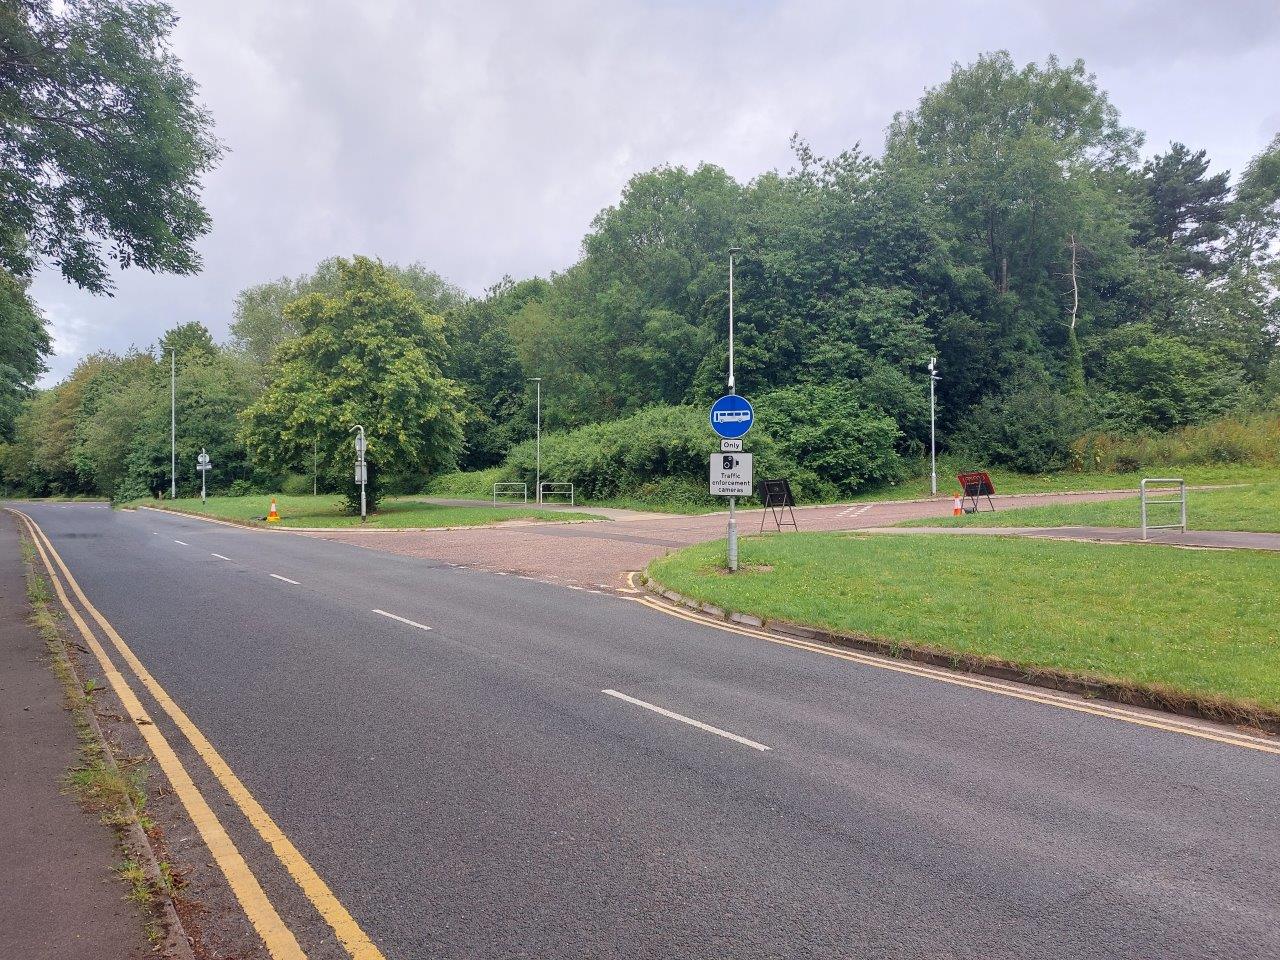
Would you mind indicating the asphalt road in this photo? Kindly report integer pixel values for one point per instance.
(470, 790)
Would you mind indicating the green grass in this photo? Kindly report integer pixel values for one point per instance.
(1255, 507)
(1177, 621)
(329, 511)
(1066, 482)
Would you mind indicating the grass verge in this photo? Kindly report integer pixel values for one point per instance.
(329, 511)
(1186, 629)
(1254, 508)
(113, 790)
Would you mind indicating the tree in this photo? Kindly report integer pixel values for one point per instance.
(260, 323)
(1185, 210)
(23, 347)
(191, 342)
(103, 141)
(369, 354)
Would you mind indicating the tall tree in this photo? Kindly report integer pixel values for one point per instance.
(23, 347)
(368, 354)
(102, 141)
(1186, 210)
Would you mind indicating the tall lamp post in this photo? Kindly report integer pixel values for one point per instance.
(173, 424)
(933, 440)
(537, 444)
(733, 518)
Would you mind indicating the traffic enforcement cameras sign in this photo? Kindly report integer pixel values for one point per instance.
(731, 474)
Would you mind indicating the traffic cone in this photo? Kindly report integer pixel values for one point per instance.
(956, 509)
(274, 515)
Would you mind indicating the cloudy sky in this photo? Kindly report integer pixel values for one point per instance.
(481, 138)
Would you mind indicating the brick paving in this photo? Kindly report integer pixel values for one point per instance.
(599, 555)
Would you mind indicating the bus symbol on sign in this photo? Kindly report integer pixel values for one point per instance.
(732, 416)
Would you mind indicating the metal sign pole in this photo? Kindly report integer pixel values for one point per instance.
(733, 517)
(173, 424)
(203, 474)
(361, 468)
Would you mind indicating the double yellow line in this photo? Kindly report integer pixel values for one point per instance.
(275, 933)
(1047, 698)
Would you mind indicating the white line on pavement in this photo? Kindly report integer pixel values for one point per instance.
(219, 556)
(689, 720)
(285, 579)
(183, 542)
(412, 623)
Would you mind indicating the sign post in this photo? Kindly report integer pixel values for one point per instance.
(203, 464)
(362, 472)
(731, 417)
(733, 390)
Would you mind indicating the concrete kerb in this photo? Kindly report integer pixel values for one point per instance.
(1134, 695)
(177, 942)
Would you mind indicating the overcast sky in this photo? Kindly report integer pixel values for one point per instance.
(481, 138)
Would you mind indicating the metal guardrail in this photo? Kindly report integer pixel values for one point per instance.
(522, 487)
(1160, 485)
(556, 490)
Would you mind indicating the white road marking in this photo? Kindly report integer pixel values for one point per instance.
(412, 623)
(183, 542)
(219, 556)
(689, 720)
(499, 573)
(285, 579)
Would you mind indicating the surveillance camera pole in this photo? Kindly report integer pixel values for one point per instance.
(537, 445)
(933, 442)
(733, 519)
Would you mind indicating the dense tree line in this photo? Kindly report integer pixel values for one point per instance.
(1010, 227)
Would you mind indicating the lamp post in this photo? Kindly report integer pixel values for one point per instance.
(933, 442)
(733, 519)
(173, 424)
(537, 444)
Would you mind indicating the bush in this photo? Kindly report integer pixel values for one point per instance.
(1028, 428)
(295, 484)
(1253, 440)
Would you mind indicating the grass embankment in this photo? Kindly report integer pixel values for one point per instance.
(1173, 623)
(1255, 508)
(329, 511)
(478, 485)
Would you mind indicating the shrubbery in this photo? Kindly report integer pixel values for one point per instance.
(1252, 440)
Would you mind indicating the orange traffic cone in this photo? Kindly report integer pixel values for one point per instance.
(956, 509)
(274, 515)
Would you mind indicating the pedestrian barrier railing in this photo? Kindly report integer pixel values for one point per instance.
(1159, 486)
(509, 491)
(555, 490)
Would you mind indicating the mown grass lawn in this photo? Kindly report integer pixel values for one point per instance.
(1254, 507)
(1182, 621)
(328, 511)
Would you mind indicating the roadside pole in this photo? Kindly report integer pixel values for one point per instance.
(202, 464)
(537, 445)
(733, 519)
(362, 470)
(933, 442)
(173, 424)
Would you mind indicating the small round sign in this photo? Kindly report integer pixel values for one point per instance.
(732, 416)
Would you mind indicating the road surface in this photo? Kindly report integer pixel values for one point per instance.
(480, 765)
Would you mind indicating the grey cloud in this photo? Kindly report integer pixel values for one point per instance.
(481, 138)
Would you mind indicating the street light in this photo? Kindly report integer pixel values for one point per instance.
(933, 442)
(733, 518)
(173, 424)
(362, 471)
(537, 444)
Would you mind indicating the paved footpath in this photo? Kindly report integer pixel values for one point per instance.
(597, 555)
(59, 899)
(1202, 539)
(480, 766)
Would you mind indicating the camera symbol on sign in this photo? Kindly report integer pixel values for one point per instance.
(728, 463)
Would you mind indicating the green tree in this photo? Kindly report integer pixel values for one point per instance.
(103, 138)
(23, 347)
(368, 354)
(191, 342)
(1186, 211)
